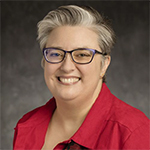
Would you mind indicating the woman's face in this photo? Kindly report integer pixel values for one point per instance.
(70, 81)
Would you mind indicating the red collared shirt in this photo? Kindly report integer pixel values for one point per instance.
(110, 124)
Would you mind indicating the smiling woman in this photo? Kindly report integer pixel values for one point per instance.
(83, 114)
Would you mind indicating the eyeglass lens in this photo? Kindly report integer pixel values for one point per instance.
(54, 55)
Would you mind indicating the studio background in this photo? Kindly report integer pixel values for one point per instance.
(22, 85)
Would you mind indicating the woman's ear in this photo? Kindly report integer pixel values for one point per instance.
(43, 62)
(105, 64)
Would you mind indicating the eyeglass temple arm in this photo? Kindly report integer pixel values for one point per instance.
(101, 53)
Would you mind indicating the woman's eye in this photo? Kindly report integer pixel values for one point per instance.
(83, 55)
(54, 55)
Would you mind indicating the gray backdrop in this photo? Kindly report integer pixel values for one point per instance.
(22, 85)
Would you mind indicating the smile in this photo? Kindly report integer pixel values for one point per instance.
(68, 80)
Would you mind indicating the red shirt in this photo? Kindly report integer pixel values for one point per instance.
(110, 124)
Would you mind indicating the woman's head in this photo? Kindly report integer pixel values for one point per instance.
(72, 15)
(71, 75)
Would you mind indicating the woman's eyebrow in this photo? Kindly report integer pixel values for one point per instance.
(56, 47)
(59, 47)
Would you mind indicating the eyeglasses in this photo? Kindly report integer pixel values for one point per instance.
(79, 56)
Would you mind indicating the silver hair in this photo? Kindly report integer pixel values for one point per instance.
(73, 15)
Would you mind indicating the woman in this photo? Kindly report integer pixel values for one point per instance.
(83, 114)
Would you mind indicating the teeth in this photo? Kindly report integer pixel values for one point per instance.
(69, 80)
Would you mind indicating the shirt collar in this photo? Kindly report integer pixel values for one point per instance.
(91, 128)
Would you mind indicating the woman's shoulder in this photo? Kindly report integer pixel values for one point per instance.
(126, 115)
(125, 126)
(37, 114)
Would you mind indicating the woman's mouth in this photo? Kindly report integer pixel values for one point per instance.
(68, 80)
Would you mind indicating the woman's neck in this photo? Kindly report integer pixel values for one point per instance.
(70, 118)
(72, 113)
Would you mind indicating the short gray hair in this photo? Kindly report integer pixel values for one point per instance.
(73, 15)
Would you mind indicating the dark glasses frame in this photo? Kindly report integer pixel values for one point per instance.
(94, 51)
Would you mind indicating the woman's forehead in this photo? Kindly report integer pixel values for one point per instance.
(73, 36)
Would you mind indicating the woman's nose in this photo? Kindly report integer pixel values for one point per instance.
(68, 65)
